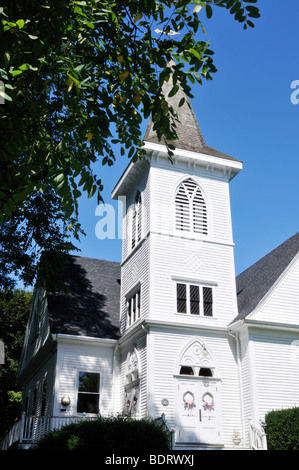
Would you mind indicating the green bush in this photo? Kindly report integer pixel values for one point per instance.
(119, 434)
(282, 429)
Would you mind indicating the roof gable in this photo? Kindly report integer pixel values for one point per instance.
(280, 304)
(256, 281)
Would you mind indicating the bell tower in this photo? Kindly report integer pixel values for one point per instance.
(177, 260)
(178, 290)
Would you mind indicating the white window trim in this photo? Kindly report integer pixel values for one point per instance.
(195, 282)
(134, 292)
(87, 370)
(201, 285)
(191, 233)
(136, 232)
(132, 385)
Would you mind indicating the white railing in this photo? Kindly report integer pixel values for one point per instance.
(36, 427)
(30, 429)
(11, 437)
(257, 437)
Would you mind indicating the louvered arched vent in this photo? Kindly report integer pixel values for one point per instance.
(191, 209)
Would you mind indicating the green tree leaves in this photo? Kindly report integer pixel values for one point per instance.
(241, 12)
(37, 232)
(80, 76)
(14, 313)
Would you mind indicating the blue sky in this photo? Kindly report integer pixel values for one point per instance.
(246, 112)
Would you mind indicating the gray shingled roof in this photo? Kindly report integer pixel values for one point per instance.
(254, 283)
(188, 131)
(91, 306)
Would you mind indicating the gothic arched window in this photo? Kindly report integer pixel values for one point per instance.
(136, 220)
(191, 209)
(132, 384)
(196, 361)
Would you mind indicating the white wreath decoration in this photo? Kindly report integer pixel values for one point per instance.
(190, 403)
(208, 405)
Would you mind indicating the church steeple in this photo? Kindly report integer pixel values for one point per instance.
(188, 131)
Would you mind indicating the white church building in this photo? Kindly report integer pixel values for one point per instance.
(169, 331)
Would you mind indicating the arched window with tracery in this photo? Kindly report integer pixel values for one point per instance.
(136, 220)
(132, 384)
(196, 361)
(190, 208)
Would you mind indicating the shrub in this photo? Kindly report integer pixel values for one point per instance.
(282, 429)
(109, 434)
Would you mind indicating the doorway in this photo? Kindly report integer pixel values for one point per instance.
(198, 404)
(198, 408)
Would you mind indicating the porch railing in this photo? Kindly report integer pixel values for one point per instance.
(30, 429)
(257, 437)
(12, 436)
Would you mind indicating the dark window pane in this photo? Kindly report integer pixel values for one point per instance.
(33, 411)
(88, 403)
(138, 305)
(133, 306)
(187, 370)
(44, 398)
(88, 382)
(133, 302)
(133, 230)
(181, 298)
(136, 222)
(139, 223)
(207, 301)
(129, 312)
(194, 300)
(205, 372)
(194, 292)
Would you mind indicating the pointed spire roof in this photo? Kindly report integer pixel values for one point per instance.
(188, 131)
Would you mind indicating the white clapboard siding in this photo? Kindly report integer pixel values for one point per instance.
(200, 257)
(200, 262)
(214, 192)
(81, 356)
(168, 347)
(282, 303)
(246, 379)
(135, 273)
(276, 359)
(38, 329)
(142, 186)
(47, 370)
